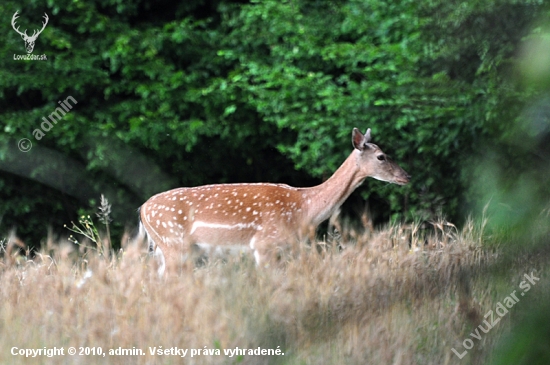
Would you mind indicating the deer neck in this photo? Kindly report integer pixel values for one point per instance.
(323, 200)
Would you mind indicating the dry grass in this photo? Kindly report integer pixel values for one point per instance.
(395, 296)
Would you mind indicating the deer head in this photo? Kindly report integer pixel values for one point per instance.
(29, 41)
(375, 162)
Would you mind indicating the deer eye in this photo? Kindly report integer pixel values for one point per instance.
(381, 158)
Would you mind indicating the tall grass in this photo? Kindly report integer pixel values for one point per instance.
(400, 295)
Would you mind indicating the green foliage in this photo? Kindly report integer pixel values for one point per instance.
(199, 92)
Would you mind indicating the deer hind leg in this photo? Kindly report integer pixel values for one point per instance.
(154, 250)
(161, 261)
(169, 253)
(180, 254)
(258, 248)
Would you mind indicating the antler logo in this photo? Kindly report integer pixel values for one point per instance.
(29, 41)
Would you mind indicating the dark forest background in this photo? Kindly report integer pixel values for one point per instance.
(194, 92)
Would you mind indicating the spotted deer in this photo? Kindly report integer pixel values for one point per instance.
(256, 217)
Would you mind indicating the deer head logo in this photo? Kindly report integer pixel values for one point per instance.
(29, 41)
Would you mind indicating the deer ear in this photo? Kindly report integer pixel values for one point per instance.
(357, 139)
(367, 136)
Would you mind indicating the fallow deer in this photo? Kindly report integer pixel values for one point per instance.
(256, 217)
